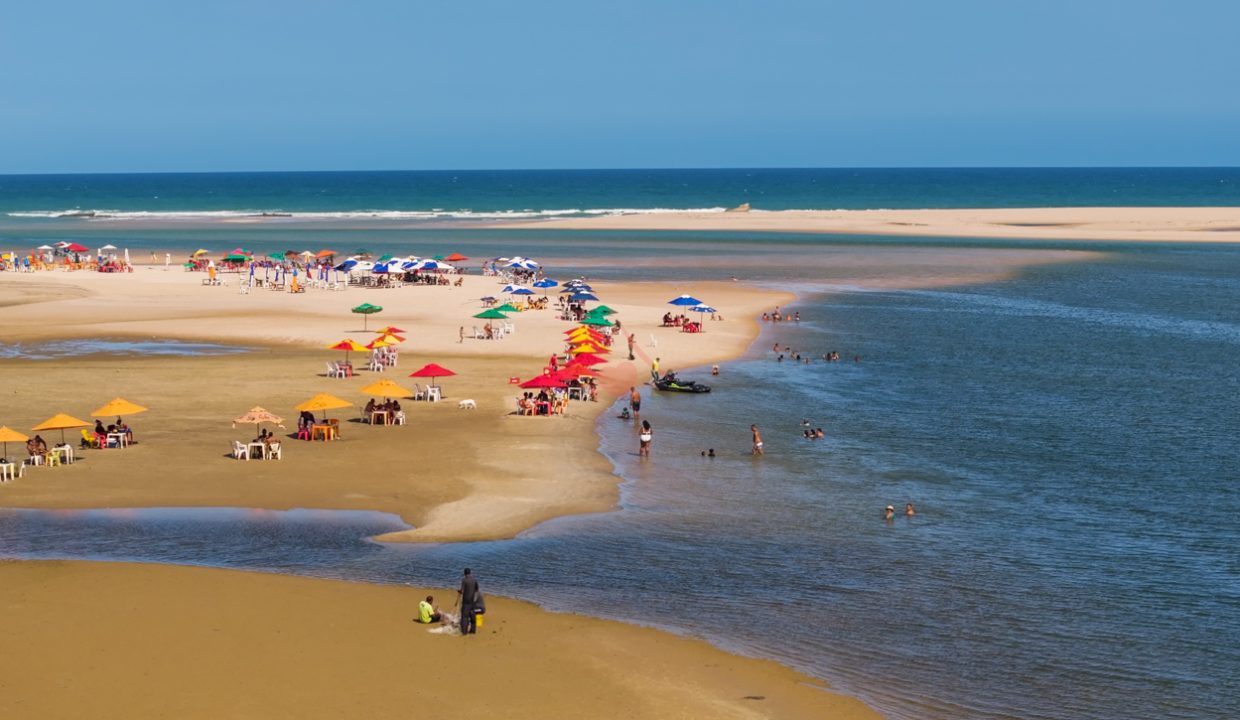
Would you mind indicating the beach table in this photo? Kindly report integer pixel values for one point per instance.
(260, 447)
(380, 417)
(122, 440)
(327, 431)
(7, 471)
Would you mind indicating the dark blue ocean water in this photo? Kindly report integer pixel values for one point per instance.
(1068, 436)
(428, 195)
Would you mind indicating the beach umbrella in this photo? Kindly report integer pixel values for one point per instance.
(588, 347)
(703, 309)
(432, 371)
(326, 254)
(582, 296)
(306, 254)
(587, 359)
(277, 256)
(8, 435)
(117, 408)
(74, 247)
(593, 320)
(108, 247)
(348, 346)
(200, 251)
(256, 417)
(387, 388)
(456, 257)
(602, 310)
(390, 330)
(61, 422)
(236, 257)
(491, 314)
(366, 310)
(507, 307)
(544, 381)
(44, 247)
(380, 342)
(684, 300)
(322, 403)
(509, 288)
(346, 266)
(546, 283)
(523, 291)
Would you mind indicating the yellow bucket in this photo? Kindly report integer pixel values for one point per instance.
(478, 619)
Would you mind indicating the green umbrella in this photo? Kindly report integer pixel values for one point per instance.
(602, 310)
(493, 314)
(236, 258)
(593, 320)
(440, 258)
(507, 307)
(277, 256)
(365, 310)
(384, 259)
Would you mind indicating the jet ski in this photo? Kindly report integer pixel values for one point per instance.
(671, 383)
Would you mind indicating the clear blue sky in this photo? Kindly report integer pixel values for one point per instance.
(128, 85)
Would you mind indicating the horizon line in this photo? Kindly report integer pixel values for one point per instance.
(625, 169)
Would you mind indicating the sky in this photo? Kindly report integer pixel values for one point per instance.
(138, 86)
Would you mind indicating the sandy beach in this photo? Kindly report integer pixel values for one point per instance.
(1152, 224)
(140, 641)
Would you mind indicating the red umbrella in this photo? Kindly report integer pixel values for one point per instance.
(544, 381)
(587, 359)
(74, 247)
(432, 371)
(455, 257)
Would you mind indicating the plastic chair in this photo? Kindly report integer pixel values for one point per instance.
(89, 439)
(273, 451)
(240, 452)
(399, 419)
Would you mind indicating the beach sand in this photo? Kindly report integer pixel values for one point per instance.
(1169, 224)
(140, 641)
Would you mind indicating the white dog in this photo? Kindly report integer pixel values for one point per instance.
(467, 405)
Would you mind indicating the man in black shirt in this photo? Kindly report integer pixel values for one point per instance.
(469, 598)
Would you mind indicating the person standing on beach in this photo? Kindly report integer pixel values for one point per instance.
(757, 440)
(461, 335)
(468, 597)
(654, 369)
(632, 342)
(647, 434)
(635, 402)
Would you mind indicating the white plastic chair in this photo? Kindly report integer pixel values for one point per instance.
(432, 393)
(334, 370)
(274, 451)
(240, 452)
(400, 417)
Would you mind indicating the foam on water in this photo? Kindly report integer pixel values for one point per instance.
(75, 348)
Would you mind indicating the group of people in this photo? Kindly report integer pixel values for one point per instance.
(544, 403)
(118, 427)
(267, 437)
(36, 447)
(797, 356)
(890, 513)
(468, 596)
(776, 316)
(391, 406)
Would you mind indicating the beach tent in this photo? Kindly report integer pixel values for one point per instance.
(387, 388)
(432, 371)
(256, 417)
(366, 310)
(61, 422)
(8, 435)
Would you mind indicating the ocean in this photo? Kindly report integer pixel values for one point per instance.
(1067, 433)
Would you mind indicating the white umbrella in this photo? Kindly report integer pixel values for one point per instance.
(45, 247)
(108, 247)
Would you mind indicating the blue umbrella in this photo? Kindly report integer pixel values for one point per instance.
(346, 265)
(704, 309)
(523, 291)
(582, 296)
(684, 300)
(545, 283)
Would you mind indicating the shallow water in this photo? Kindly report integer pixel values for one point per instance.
(1067, 435)
(55, 349)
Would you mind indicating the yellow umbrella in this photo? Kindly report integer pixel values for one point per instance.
(322, 402)
(379, 342)
(118, 407)
(348, 345)
(8, 435)
(61, 422)
(588, 348)
(387, 388)
(200, 251)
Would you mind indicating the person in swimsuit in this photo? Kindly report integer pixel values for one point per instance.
(647, 434)
(635, 402)
(757, 440)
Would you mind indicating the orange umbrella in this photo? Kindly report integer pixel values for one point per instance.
(348, 346)
(455, 257)
(390, 330)
(61, 422)
(325, 253)
(8, 435)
